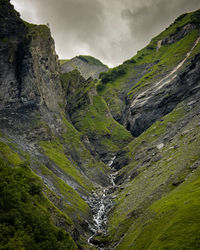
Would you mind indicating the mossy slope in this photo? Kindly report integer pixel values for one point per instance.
(70, 155)
(25, 219)
(159, 203)
(90, 115)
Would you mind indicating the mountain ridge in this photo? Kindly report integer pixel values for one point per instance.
(88, 66)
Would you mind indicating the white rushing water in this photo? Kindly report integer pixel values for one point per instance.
(99, 217)
(111, 161)
(100, 204)
(112, 179)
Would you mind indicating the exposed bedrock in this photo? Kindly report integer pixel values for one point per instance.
(154, 103)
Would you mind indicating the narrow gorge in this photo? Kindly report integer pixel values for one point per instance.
(93, 157)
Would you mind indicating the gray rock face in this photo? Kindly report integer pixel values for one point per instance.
(29, 66)
(32, 99)
(155, 102)
(179, 34)
(86, 69)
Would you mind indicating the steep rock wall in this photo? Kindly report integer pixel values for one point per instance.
(29, 64)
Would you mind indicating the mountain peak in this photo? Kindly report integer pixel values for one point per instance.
(87, 65)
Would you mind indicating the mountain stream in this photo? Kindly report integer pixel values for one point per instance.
(100, 204)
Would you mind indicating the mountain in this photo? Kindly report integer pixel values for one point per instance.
(88, 66)
(90, 163)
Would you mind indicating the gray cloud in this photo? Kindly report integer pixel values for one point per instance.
(147, 18)
(111, 30)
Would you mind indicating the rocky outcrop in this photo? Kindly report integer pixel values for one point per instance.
(163, 96)
(179, 34)
(29, 65)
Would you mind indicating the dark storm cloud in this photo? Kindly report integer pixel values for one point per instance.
(147, 18)
(72, 21)
(112, 30)
(78, 17)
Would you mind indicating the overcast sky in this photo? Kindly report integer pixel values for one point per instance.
(111, 30)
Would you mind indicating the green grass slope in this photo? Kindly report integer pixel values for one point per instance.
(70, 155)
(90, 115)
(91, 60)
(63, 61)
(25, 217)
(69, 172)
(157, 203)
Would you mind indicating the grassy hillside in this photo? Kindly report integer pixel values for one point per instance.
(62, 61)
(69, 153)
(157, 203)
(91, 60)
(69, 172)
(25, 212)
(90, 115)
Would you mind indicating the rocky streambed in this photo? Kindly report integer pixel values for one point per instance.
(101, 203)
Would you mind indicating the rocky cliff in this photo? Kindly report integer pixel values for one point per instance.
(110, 163)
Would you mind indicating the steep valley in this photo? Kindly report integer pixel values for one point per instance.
(98, 158)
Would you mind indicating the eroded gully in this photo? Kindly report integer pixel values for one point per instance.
(101, 203)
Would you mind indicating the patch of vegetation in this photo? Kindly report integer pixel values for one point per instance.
(24, 218)
(62, 61)
(10, 155)
(170, 220)
(195, 17)
(169, 57)
(70, 155)
(91, 116)
(111, 76)
(96, 120)
(35, 31)
(30, 25)
(67, 78)
(91, 60)
(72, 141)
(55, 152)
(74, 206)
(181, 208)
